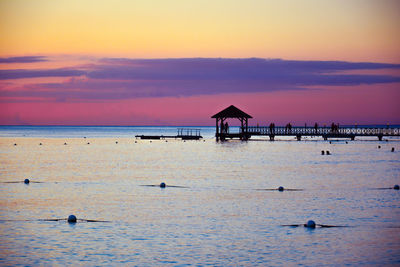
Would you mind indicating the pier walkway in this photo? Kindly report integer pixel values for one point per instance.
(324, 132)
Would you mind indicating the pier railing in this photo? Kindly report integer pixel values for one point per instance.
(188, 132)
(310, 131)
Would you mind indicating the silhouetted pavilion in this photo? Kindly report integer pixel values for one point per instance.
(231, 112)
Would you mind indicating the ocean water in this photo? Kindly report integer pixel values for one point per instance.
(220, 217)
(97, 131)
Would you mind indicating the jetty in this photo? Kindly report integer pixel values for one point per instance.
(183, 133)
(245, 132)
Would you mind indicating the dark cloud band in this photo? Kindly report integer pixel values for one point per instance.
(122, 78)
(24, 73)
(27, 59)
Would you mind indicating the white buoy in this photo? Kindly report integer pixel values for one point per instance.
(71, 219)
(396, 187)
(163, 185)
(26, 181)
(310, 224)
(280, 189)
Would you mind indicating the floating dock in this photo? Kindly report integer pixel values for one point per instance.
(183, 133)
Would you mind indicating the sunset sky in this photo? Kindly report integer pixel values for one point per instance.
(93, 62)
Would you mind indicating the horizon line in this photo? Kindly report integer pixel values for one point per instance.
(71, 125)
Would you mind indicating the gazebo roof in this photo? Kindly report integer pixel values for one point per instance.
(231, 112)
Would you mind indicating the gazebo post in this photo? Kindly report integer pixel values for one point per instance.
(216, 129)
(241, 128)
(222, 133)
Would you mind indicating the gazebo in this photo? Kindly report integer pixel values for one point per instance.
(231, 112)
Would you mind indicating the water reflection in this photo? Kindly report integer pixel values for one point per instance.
(219, 219)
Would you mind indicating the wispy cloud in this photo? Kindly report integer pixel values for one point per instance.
(39, 73)
(26, 59)
(259, 63)
(266, 72)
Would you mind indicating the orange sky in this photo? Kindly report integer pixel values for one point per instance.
(351, 30)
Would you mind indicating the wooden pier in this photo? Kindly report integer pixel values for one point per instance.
(246, 132)
(324, 132)
(183, 133)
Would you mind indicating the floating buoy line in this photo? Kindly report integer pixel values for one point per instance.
(164, 185)
(312, 225)
(280, 189)
(71, 219)
(395, 187)
(26, 181)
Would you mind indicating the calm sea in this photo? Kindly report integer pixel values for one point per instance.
(219, 217)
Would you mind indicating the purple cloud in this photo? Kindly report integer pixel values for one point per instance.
(25, 73)
(120, 78)
(274, 71)
(27, 59)
(221, 68)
